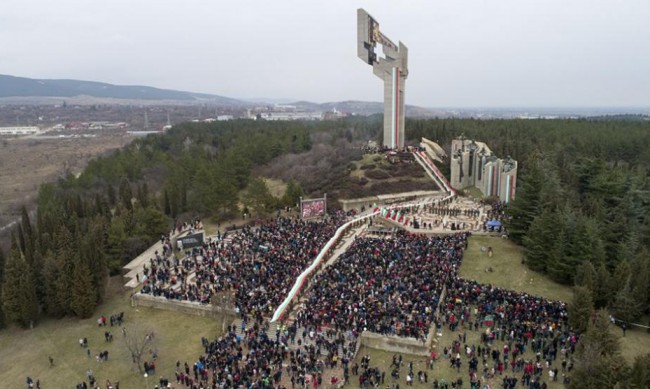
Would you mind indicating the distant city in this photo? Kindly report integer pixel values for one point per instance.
(70, 107)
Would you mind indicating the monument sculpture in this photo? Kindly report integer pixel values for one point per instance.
(474, 164)
(392, 69)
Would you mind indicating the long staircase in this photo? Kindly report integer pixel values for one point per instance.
(433, 172)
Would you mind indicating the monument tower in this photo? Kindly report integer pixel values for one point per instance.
(392, 69)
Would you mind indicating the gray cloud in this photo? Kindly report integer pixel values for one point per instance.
(461, 53)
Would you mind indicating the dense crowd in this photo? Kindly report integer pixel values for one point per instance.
(249, 357)
(259, 264)
(518, 322)
(387, 286)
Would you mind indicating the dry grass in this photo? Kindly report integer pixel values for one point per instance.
(26, 163)
(635, 343)
(508, 271)
(25, 352)
(474, 192)
(368, 159)
(276, 187)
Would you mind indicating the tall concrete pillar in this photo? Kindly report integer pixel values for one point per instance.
(392, 69)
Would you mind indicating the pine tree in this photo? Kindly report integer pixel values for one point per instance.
(166, 204)
(586, 276)
(292, 194)
(126, 194)
(93, 249)
(37, 272)
(2, 271)
(581, 246)
(51, 273)
(561, 266)
(603, 287)
(26, 224)
(640, 280)
(621, 275)
(640, 373)
(598, 359)
(625, 306)
(526, 205)
(257, 197)
(83, 294)
(64, 282)
(22, 244)
(539, 245)
(115, 244)
(143, 195)
(581, 309)
(112, 197)
(18, 295)
(203, 198)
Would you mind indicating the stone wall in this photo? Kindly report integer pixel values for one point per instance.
(405, 345)
(394, 344)
(188, 307)
(386, 199)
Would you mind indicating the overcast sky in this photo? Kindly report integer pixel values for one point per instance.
(462, 53)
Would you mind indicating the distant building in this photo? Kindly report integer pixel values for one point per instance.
(139, 134)
(474, 164)
(290, 115)
(13, 131)
(333, 115)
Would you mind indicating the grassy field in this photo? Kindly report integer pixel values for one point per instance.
(507, 270)
(368, 159)
(25, 352)
(26, 163)
(474, 192)
(276, 187)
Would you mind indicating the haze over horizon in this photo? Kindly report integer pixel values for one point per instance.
(461, 54)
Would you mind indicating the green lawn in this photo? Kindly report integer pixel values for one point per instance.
(635, 343)
(507, 269)
(474, 192)
(25, 352)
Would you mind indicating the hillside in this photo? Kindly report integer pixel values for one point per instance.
(11, 86)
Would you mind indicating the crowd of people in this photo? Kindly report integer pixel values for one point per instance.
(258, 264)
(510, 324)
(387, 286)
(249, 357)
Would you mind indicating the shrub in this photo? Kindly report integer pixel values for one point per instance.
(377, 174)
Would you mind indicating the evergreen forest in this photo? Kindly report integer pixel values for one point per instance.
(582, 210)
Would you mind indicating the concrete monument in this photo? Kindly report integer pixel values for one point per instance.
(474, 164)
(392, 69)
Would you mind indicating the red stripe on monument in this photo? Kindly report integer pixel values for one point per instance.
(397, 107)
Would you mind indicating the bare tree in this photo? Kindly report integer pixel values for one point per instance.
(223, 303)
(139, 342)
